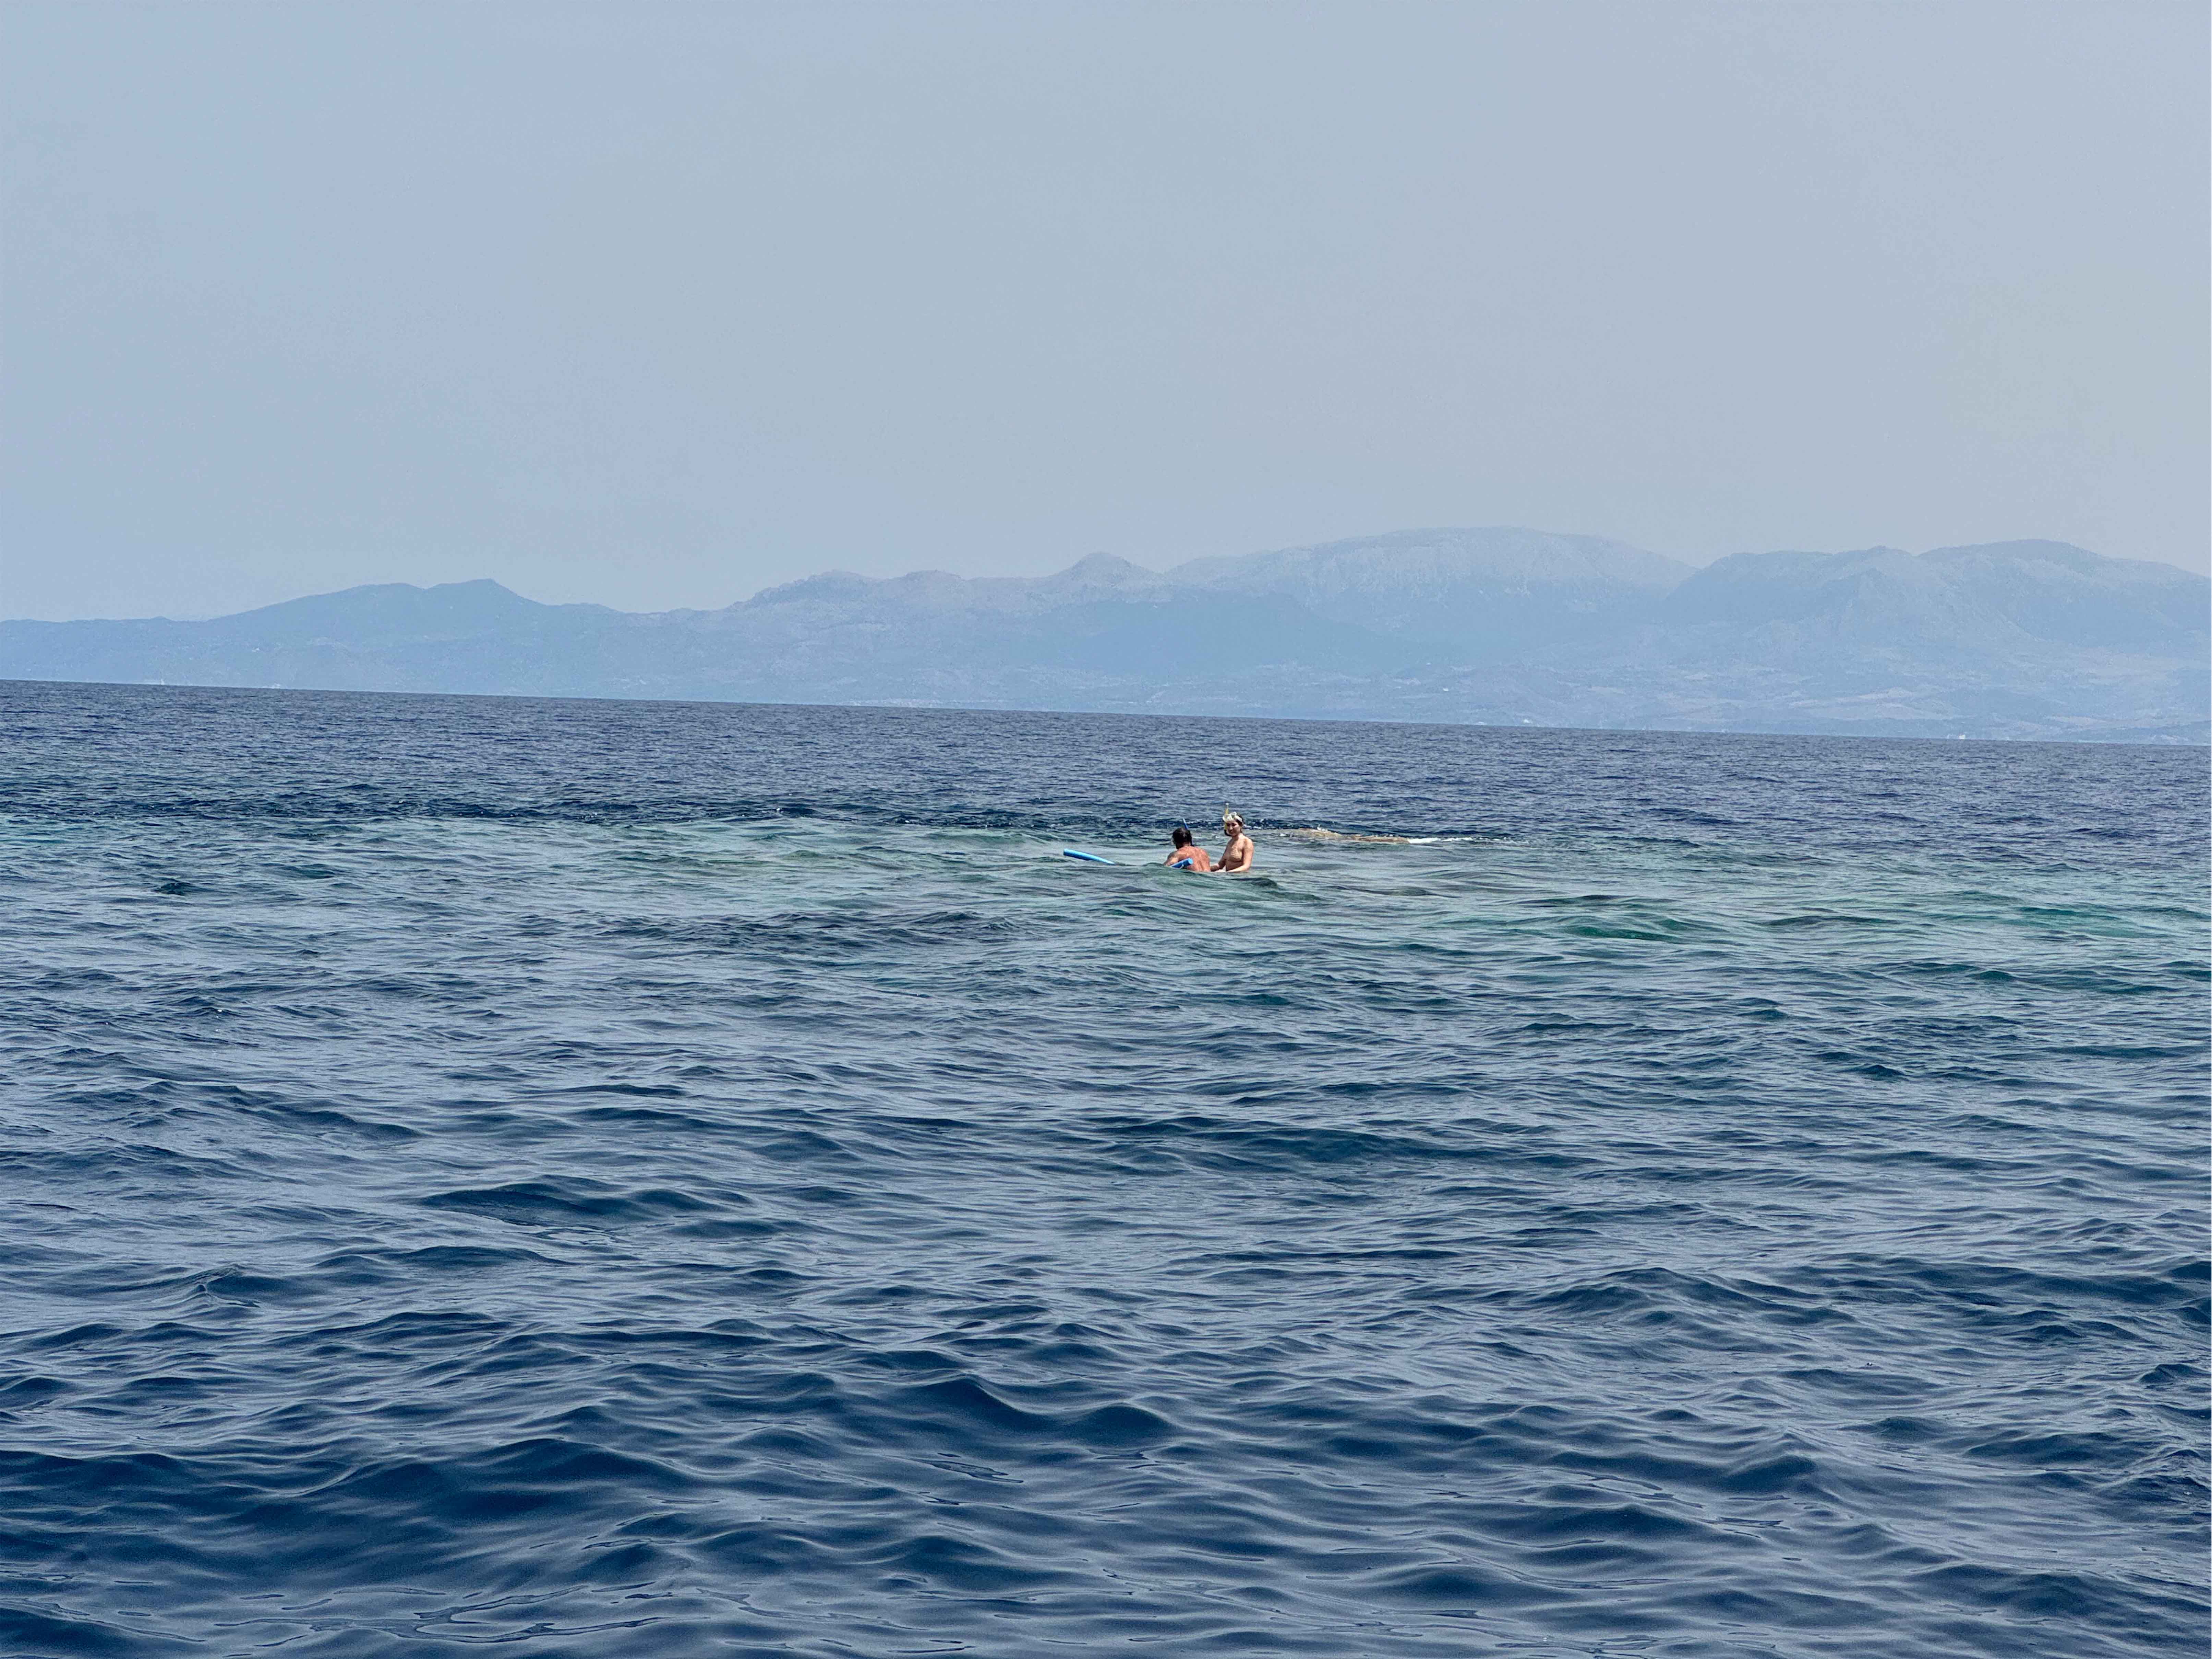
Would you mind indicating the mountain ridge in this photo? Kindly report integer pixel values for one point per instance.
(1488, 625)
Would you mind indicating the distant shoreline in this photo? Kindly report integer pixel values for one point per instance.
(1496, 627)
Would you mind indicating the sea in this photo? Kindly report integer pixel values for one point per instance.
(537, 1177)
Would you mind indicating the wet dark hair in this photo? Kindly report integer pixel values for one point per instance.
(1182, 837)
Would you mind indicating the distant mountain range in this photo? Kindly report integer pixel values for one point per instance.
(1513, 627)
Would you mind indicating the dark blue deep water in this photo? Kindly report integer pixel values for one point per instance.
(626, 1179)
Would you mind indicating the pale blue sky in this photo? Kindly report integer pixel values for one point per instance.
(657, 305)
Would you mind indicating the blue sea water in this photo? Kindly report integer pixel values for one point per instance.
(629, 1179)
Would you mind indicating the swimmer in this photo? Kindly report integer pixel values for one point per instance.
(1236, 857)
(1188, 854)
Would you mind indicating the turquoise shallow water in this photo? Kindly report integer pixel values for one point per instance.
(627, 1178)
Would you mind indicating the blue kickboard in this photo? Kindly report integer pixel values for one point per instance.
(1087, 858)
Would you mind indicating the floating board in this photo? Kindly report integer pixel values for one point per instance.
(1087, 858)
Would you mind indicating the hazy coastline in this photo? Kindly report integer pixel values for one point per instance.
(2021, 640)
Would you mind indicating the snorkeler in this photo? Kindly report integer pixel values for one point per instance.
(1188, 854)
(1236, 857)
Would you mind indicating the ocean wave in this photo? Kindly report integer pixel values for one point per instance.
(716, 1180)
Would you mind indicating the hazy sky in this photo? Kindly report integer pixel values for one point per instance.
(658, 305)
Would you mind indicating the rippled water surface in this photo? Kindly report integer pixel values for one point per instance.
(627, 1179)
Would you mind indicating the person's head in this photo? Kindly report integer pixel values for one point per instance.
(1182, 837)
(1232, 824)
